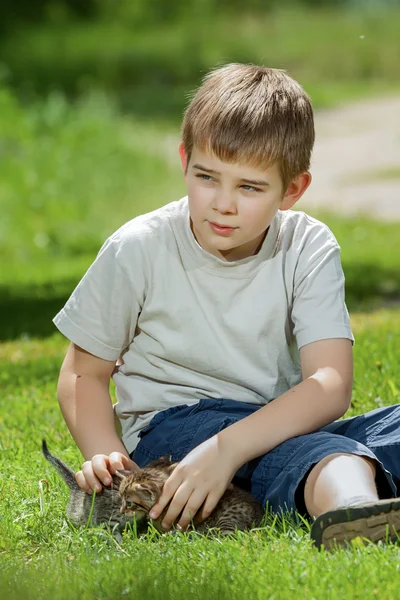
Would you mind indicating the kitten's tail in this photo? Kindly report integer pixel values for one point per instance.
(66, 473)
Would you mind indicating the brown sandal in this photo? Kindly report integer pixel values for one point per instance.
(375, 521)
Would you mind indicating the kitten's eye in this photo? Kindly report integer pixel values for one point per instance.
(129, 503)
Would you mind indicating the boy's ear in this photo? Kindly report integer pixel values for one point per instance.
(182, 154)
(295, 190)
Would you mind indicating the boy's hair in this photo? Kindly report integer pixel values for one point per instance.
(253, 115)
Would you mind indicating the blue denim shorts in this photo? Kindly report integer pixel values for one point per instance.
(277, 478)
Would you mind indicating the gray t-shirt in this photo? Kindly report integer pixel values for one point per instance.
(189, 325)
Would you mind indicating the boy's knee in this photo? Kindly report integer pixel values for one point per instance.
(336, 478)
(338, 466)
(342, 458)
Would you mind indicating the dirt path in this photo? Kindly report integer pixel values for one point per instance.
(356, 160)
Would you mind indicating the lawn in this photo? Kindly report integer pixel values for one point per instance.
(69, 176)
(41, 555)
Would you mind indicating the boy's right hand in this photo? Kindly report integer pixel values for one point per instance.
(100, 469)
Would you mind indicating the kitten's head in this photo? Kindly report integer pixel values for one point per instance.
(140, 489)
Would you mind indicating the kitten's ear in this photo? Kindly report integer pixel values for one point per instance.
(122, 473)
(165, 458)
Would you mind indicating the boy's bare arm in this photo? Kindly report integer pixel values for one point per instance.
(323, 396)
(84, 397)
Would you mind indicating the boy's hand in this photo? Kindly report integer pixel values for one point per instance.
(201, 477)
(100, 470)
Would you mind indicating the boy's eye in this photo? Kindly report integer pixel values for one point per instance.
(204, 177)
(250, 188)
(247, 188)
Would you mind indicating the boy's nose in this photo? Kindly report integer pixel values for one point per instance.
(225, 202)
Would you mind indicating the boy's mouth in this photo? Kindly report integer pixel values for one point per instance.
(221, 229)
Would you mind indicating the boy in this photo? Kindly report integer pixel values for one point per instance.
(221, 318)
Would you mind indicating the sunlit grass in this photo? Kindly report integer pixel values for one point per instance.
(70, 175)
(41, 555)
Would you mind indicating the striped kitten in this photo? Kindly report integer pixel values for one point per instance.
(139, 491)
(106, 504)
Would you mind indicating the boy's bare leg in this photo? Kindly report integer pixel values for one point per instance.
(340, 480)
(340, 492)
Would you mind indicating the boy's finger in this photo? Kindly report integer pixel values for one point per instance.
(90, 477)
(159, 506)
(81, 481)
(100, 469)
(155, 511)
(168, 492)
(172, 514)
(176, 507)
(206, 509)
(116, 465)
(118, 462)
(189, 512)
(129, 464)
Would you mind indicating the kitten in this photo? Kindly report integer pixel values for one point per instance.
(106, 504)
(140, 489)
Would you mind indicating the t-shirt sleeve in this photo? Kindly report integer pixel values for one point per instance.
(319, 311)
(101, 314)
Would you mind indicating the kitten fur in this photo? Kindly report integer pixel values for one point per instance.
(106, 504)
(140, 489)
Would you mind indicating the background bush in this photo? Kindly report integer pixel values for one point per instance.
(149, 55)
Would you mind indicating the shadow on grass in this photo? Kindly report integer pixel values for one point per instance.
(28, 310)
(371, 286)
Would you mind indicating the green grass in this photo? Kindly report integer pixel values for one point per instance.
(70, 175)
(41, 555)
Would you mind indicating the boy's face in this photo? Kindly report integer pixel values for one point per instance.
(242, 199)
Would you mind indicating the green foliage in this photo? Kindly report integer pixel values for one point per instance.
(26, 11)
(149, 60)
(70, 175)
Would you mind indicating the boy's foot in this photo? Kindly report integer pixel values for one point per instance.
(374, 521)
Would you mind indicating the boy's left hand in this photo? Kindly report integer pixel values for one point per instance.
(201, 477)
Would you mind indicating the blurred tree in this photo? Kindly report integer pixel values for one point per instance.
(146, 12)
(33, 11)
(148, 53)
